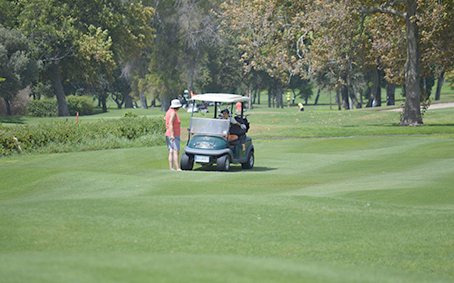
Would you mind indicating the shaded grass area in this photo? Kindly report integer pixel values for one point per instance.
(368, 209)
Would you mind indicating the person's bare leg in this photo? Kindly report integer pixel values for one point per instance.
(171, 154)
(176, 154)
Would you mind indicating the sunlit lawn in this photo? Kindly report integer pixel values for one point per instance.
(365, 209)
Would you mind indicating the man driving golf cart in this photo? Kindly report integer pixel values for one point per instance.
(226, 115)
(218, 141)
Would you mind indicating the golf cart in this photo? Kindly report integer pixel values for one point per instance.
(207, 141)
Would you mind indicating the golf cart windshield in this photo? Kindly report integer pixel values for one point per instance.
(211, 127)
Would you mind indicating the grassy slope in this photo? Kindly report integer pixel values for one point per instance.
(370, 209)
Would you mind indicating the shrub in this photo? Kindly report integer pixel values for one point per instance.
(81, 104)
(8, 143)
(130, 114)
(66, 136)
(43, 108)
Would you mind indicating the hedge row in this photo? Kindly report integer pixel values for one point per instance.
(29, 138)
(48, 107)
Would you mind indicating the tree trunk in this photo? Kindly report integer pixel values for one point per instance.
(165, 103)
(412, 112)
(8, 107)
(249, 91)
(318, 96)
(344, 92)
(330, 104)
(191, 80)
(390, 94)
(270, 95)
(377, 96)
(370, 98)
(441, 78)
(338, 100)
(58, 88)
(360, 97)
(143, 100)
(118, 101)
(104, 101)
(352, 94)
(128, 101)
(279, 94)
(375, 88)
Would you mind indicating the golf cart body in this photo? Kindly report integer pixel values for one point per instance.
(207, 142)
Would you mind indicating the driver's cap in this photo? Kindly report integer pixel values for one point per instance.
(225, 110)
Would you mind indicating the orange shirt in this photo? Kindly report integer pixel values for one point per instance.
(176, 123)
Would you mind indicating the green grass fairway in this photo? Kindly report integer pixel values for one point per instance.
(361, 209)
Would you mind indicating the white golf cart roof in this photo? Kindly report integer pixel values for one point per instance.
(220, 97)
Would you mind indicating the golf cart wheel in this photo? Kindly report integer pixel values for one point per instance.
(223, 163)
(187, 162)
(250, 161)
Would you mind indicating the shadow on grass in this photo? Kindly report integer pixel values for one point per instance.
(12, 119)
(235, 168)
(98, 110)
(439, 125)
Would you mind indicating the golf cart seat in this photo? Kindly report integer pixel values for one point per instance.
(240, 140)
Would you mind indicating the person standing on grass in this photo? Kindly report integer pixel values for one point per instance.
(173, 134)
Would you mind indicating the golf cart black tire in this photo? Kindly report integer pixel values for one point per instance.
(223, 163)
(186, 161)
(250, 161)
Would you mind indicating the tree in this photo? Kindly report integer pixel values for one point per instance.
(290, 38)
(407, 10)
(450, 78)
(81, 39)
(223, 70)
(424, 23)
(123, 29)
(304, 88)
(184, 31)
(309, 36)
(437, 47)
(264, 42)
(17, 69)
(120, 88)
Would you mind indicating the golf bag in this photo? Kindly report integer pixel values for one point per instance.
(243, 120)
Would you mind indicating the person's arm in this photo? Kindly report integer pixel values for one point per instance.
(233, 121)
(171, 120)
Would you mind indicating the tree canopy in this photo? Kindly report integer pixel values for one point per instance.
(164, 47)
(17, 68)
(83, 39)
(288, 37)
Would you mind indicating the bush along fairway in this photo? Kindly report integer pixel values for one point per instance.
(362, 209)
(61, 136)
